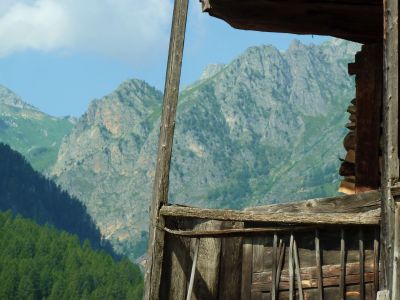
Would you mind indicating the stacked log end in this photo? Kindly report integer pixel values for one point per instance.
(360, 167)
(347, 169)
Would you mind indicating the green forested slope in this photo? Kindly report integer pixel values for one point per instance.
(34, 134)
(26, 192)
(38, 262)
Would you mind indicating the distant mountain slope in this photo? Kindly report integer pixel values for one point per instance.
(265, 128)
(34, 134)
(28, 193)
(39, 262)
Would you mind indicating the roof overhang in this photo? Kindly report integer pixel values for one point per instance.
(355, 20)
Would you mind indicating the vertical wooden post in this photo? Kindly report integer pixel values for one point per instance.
(390, 167)
(274, 261)
(319, 266)
(396, 246)
(161, 180)
(291, 268)
(342, 286)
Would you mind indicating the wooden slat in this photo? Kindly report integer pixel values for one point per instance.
(310, 275)
(274, 266)
(247, 268)
(390, 166)
(258, 254)
(376, 261)
(280, 264)
(236, 231)
(291, 269)
(298, 273)
(318, 265)
(361, 250)
(369, 218)
(161, 180)
(351, 280)
(396, 254)
(193, 271)
(231, 265)
(176, 268)
(342, 265)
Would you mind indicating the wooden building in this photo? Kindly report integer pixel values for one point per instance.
(344, 247)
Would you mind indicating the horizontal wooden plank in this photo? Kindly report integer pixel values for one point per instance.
(235, 231)
(312, 283)
(367, 218)
(341, 204)
(310, 273)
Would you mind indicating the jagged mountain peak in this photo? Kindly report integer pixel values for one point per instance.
(8, 97)
(211, 70)
(243, 135)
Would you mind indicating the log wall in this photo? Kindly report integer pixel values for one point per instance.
(282, 265)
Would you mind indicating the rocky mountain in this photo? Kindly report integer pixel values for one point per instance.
(27, 130)
(265, 128)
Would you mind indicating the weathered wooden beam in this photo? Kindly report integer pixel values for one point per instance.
(390, 167)
(340, 204)
(226, 232)
(369, 218)
(396, 254)
(161, 179)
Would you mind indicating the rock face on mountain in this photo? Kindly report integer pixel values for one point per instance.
(265, 128)
(27, 130)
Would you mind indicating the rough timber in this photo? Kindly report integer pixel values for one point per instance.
(343, 247)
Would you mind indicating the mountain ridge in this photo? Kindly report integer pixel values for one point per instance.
(243, 134)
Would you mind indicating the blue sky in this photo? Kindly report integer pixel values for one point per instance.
(58, 55)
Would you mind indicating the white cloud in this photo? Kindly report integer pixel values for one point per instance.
(123, 29)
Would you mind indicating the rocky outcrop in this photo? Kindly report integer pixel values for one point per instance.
(265, 128)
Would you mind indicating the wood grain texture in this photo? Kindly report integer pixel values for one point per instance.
(247, 268)
(396, 254)
(319, 266)
(390, 166)
(362, 273)
(361, 202)
(368, 218)
(342, 264)
(208, 265)
(193, 271)
(291, 268)
(161, 179)
(230, 273)
(297, 268)
(274, 266)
